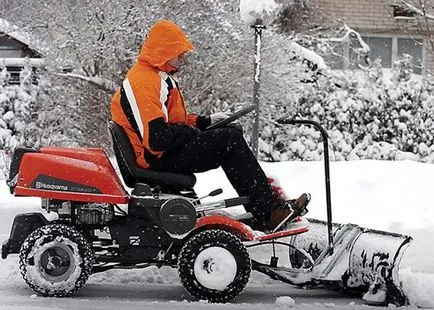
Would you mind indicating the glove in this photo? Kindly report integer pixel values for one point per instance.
(236, 125)
(217, 117)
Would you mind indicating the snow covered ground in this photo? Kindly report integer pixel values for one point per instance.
(392, 196)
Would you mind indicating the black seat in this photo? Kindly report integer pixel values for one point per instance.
(132, 173)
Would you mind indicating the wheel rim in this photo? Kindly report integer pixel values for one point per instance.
(56, 262)
(215, 268)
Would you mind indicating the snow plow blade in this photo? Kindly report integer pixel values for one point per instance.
(360, 258)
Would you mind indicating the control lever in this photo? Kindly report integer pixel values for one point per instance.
(215, 192)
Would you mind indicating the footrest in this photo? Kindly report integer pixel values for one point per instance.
(284, 233)
(298, 226)
(237, 217)
(244, 216)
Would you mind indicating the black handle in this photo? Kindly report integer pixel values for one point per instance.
(237, 201)
(232, 117)
(326, 170)
(216, 192)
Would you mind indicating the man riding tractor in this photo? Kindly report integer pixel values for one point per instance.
(151, 109)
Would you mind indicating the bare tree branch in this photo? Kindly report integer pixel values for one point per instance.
(102, 83)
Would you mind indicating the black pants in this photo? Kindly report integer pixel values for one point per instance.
(227, 148)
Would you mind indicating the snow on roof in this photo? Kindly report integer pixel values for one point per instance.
(18, 34)
(22, 62)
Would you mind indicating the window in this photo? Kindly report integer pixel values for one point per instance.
(412, 47)
(15, 72)
(10, 53)
(15, 75)
(380, 48)
(400, 12)
(390, 49)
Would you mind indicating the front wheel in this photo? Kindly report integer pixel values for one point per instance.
(55, 260)
(214, 265)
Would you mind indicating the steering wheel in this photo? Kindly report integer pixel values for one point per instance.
(232, 117)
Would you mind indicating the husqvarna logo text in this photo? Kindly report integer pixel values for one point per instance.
(56, 187)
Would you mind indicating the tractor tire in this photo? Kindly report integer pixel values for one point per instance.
(214, 265)
(55, 260)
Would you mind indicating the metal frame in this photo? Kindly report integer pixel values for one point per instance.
(326, 172)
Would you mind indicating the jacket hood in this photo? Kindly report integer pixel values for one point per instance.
(165, 41)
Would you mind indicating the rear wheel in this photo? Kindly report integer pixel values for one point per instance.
(55, 260)
(214, 265)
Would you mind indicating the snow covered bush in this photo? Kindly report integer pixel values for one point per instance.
(17, 103)
(368, 116)
(4, 164)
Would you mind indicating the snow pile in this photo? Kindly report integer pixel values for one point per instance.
(391, 196)
(9, 270)
(258, 11)
(151, 275)
(375, 298)
(285, 301)
(419, 287)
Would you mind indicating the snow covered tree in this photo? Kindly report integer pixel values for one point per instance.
(423, 12)
(95, 42)
(17, 117)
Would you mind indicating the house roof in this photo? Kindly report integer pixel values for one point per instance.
(18, 34)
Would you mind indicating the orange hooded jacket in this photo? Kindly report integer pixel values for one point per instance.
(149, 105)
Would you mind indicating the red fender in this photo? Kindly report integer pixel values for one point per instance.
(242, 230)
(89, 168)
(225, 223)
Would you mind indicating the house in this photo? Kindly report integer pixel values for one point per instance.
(391, 28)
(16, 53)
